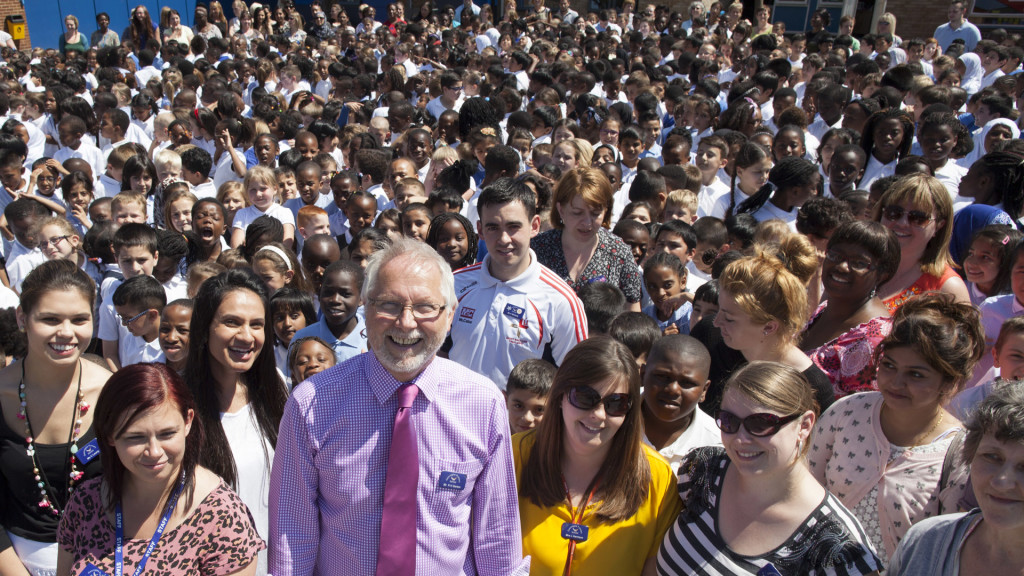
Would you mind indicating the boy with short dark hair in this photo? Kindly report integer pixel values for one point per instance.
(136, 251)
(196, 164)
(526, 393)
(638, 332)
(139, 301)
(24, 253)
(340, 325)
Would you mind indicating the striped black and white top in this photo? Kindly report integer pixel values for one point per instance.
(830, 541)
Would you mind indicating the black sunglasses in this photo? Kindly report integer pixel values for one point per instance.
(586, 398)
(760, 425)
(914, 217)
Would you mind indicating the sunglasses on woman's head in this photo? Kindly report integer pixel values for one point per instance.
(917, 218)
(586, 398)
(760, 425)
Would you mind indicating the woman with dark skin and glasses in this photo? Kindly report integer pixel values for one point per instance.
(753, 507)
(589, 488)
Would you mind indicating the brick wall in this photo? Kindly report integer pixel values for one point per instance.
(9, 7)
(917, 18)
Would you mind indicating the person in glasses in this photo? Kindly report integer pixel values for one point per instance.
(594, 499)
(884, 453)
(753, 506)
(239, 393)
(843, 333)
(919, 210)
(151, 441)
(402, 460)
(451, 96)
(139, 301)
(59, 240)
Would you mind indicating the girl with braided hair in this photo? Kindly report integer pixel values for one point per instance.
(886, 139)
(791, 182)
(997, 179)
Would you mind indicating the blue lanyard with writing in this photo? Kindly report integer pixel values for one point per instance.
(119, 534)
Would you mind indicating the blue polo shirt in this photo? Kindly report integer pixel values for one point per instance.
(352, 345)
(970, 34)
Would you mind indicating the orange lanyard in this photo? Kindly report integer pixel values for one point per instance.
(575, 517)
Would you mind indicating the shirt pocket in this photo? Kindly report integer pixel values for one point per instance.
(451, 489)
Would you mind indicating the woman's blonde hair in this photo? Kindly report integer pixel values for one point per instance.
(766, 288)
(590, 184)
(929, 194)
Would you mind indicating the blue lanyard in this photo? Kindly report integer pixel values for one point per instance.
(119, 534)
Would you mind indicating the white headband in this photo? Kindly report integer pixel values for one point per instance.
(279, 252)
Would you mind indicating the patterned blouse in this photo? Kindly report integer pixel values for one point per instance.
(924, 283)
(829, 541)
(612, 262)
(849, 359)
(219, 537)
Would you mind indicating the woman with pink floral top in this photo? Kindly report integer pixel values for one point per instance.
(844, 332)
(883, 454)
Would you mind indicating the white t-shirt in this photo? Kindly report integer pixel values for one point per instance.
(135, 350)
(254, 457)
(246, 215)
(702, 432)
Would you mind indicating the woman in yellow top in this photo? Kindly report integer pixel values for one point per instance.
(593, 499)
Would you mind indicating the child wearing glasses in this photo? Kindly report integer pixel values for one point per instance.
(139, 302)
(59, 240)
(136, 251)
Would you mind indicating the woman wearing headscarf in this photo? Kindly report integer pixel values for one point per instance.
(971, 72)
(994, 131)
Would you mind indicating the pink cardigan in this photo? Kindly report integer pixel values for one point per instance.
(850, 456)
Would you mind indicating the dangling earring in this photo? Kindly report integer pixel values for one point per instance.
(873, 292)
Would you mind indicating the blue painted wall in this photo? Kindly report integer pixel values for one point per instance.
(45, 18)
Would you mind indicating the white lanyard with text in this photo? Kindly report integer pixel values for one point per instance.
(119, 534)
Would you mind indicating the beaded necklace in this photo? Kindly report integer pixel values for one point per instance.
(47, 495)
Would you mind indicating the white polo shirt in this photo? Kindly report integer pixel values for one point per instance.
(498, 324)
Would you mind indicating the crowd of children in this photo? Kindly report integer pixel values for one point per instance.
(725, 149)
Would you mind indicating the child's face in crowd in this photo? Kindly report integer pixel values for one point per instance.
(339, 299)
(311, 358)
(361, 212)
(24, 231)
(1009, 357)
(287, 186)
(700, 310)
(233, 202)
(58, 244)
(68, 137)
(141, 183)
(406, 195)
(319, 224)
(287, 323)
(637, 241)
(129, 212)
(982, 263)
(525, 409)
(308, 183)
(452, 242)
(844, 171)
(674, 384)
(674, 244)
(261, 195)
(677, 212)
(142, 325)
(181, 215)
(709, 159)
(416, 225)
(174, 329)
(663, 284)
(98, 211)
(11, 177)
(272, 278)
(361, 253)
(342, 188)
(46, 182)
(135, 261)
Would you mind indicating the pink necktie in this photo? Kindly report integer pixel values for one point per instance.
(396, 554)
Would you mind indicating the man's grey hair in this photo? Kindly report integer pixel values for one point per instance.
(418, 256)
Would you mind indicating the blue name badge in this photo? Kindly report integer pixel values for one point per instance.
(89, 452)
(92, 570)
(452, 481)
(515, 312)
(577, 532)
(769, 570)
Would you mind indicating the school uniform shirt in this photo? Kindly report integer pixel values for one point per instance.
(874, 171)
(246, 215)
(710, 194)
(770, 211)
(108, 187)
(224, 172)
(295, 204)
(110, 328)
(350, 346)
(205, 190)
(702, 431)
(176, 288)
(377, 190)
(137, 350)
(20, 261)
(721, 204)
(950, 175)
(819, 127)
(990, 78)
(681, 317)
(499, 324)
(86, 151)
(8, 299)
